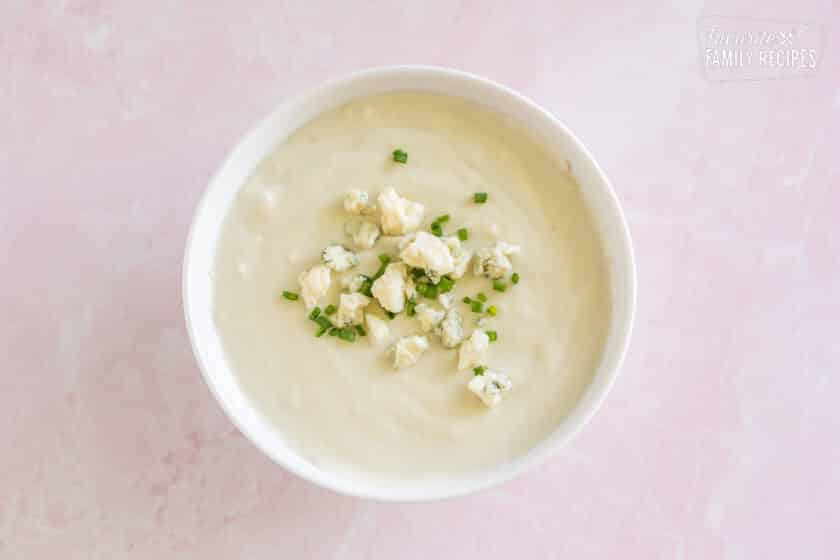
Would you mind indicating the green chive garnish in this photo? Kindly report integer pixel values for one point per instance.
(514, 278)
(400, 156)
(480, 197)
(314, 314)
(437, 226)
(479, 370)
(417, 272)
(446, 284)
(467, 300)
(463, 234)
(409, 307)
(384, 259)
(323, 322)
(347, 333)
(361, 330)
(492, 311)
(334, 331)
(499, 285)
(422, 288)
(330, 309)
(477, 307)
(431, 291)
(365, 289)
(390, 315)
(321, 331)
(481, 297)
(291, 296)
(492, 335)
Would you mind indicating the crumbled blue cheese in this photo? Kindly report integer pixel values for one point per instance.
(472, 351)
(314, 284)
(339, 258)
(428, 316)
(408, 350)
(446, 300)
(389, 289)
(398, 215)
(450, 329)
(490, 386)
(364, 234)
(461, 256)
(357, 202)
(351, 309)
(377, 329)
(493, 262)
(352, 282)
(426, 251)
(433, 277)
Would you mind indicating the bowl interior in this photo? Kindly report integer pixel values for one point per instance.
(257, 144)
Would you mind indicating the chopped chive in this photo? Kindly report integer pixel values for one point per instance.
(492, 335)
(446, 284)
(481, 297)
(467, 300)
(361, 330)
(378, 274)
(390, 315)
(463, 234)
(321, 331)
(480, 197)
(436, 229)
(422, 288)
(477, 306)
(442, 219)
(431, 291)
(323, 322)
(409, 307)
(499, 285)
(291, 296)
(514, 278)
(365, 289)
(330, 309)
(347, 333)
(492, 311)
(314, 314)
(417, 272)
(479, 370)
(400, 156)
(382, 268)
(334, 331)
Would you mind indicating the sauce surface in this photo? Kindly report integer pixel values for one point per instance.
(342, 405)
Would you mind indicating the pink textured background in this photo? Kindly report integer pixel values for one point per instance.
(720, 440)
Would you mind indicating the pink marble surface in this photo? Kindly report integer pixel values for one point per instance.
(720, 440)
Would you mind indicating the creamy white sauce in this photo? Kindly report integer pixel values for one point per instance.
(343, 406)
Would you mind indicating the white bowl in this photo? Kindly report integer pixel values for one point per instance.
(250, 151)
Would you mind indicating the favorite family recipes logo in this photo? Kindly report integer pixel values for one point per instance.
(753, 49)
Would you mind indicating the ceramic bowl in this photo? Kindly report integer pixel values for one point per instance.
(285, 119)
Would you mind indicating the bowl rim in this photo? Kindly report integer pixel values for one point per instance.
(587, 405)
